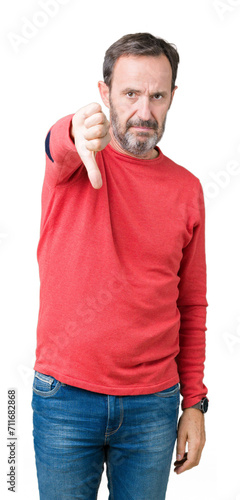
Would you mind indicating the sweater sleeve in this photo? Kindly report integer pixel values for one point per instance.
(192, 304)
(62, 159)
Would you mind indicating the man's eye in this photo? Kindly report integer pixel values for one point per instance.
(131, 94)
(157, 96)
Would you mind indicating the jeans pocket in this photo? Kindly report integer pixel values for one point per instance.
(45, 385)
(167, 393)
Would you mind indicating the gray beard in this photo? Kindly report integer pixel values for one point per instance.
(129, 142)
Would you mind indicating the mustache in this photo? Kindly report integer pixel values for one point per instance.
(142, 123)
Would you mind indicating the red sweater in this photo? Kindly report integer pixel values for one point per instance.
(122, 273)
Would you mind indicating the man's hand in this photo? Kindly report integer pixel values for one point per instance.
(90, 132)
(191, 429)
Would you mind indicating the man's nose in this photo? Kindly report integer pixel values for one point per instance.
(144, 108)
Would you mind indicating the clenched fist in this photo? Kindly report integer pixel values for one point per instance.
(90, 132)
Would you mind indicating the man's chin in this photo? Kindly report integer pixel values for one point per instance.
(135, 145)
(138, 150)
(140, 145)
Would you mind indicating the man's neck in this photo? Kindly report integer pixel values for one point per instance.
(150, 155)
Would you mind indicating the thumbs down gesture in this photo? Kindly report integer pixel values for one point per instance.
(90, 132)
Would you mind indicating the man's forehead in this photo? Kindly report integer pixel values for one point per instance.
(146, 69)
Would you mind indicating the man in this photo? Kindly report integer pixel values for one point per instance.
(121, 327)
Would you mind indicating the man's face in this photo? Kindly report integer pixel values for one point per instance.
(139, 99)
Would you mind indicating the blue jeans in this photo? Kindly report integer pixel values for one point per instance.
(75, 431)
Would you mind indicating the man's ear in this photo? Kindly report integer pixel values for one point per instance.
(173, 92)
(104, 92)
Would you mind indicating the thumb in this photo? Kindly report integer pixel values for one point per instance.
(88, 158)
(93, 171)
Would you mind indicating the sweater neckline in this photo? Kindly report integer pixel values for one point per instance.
(131, 159)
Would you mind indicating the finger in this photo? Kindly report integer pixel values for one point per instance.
(193, 458)
(182, 468)
(93, 171)
(98, 144)
(96, 132)
(91, 109)
(188, 464)
(95, 119)
(181, 462)
(181, 444)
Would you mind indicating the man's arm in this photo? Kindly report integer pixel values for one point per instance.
(192, 305)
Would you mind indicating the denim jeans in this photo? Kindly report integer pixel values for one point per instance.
(75, 431)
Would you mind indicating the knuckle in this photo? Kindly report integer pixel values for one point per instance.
(194, 460)
(102, 118)
(90, 109)
(197, 444)
(99, 130)
(95, 145)
(86, 135)
(95, 107)
(98, 144)
(107, 126)
(90, 146)
(106, 140)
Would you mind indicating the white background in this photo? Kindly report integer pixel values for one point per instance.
(54, 73)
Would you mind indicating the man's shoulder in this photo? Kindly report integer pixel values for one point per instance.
(180, 172)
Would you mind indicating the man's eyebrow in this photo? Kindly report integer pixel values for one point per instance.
(131, 89)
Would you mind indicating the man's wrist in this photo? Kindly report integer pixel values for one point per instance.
(201, 405)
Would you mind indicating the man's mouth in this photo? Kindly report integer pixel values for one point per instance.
(142, 129)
